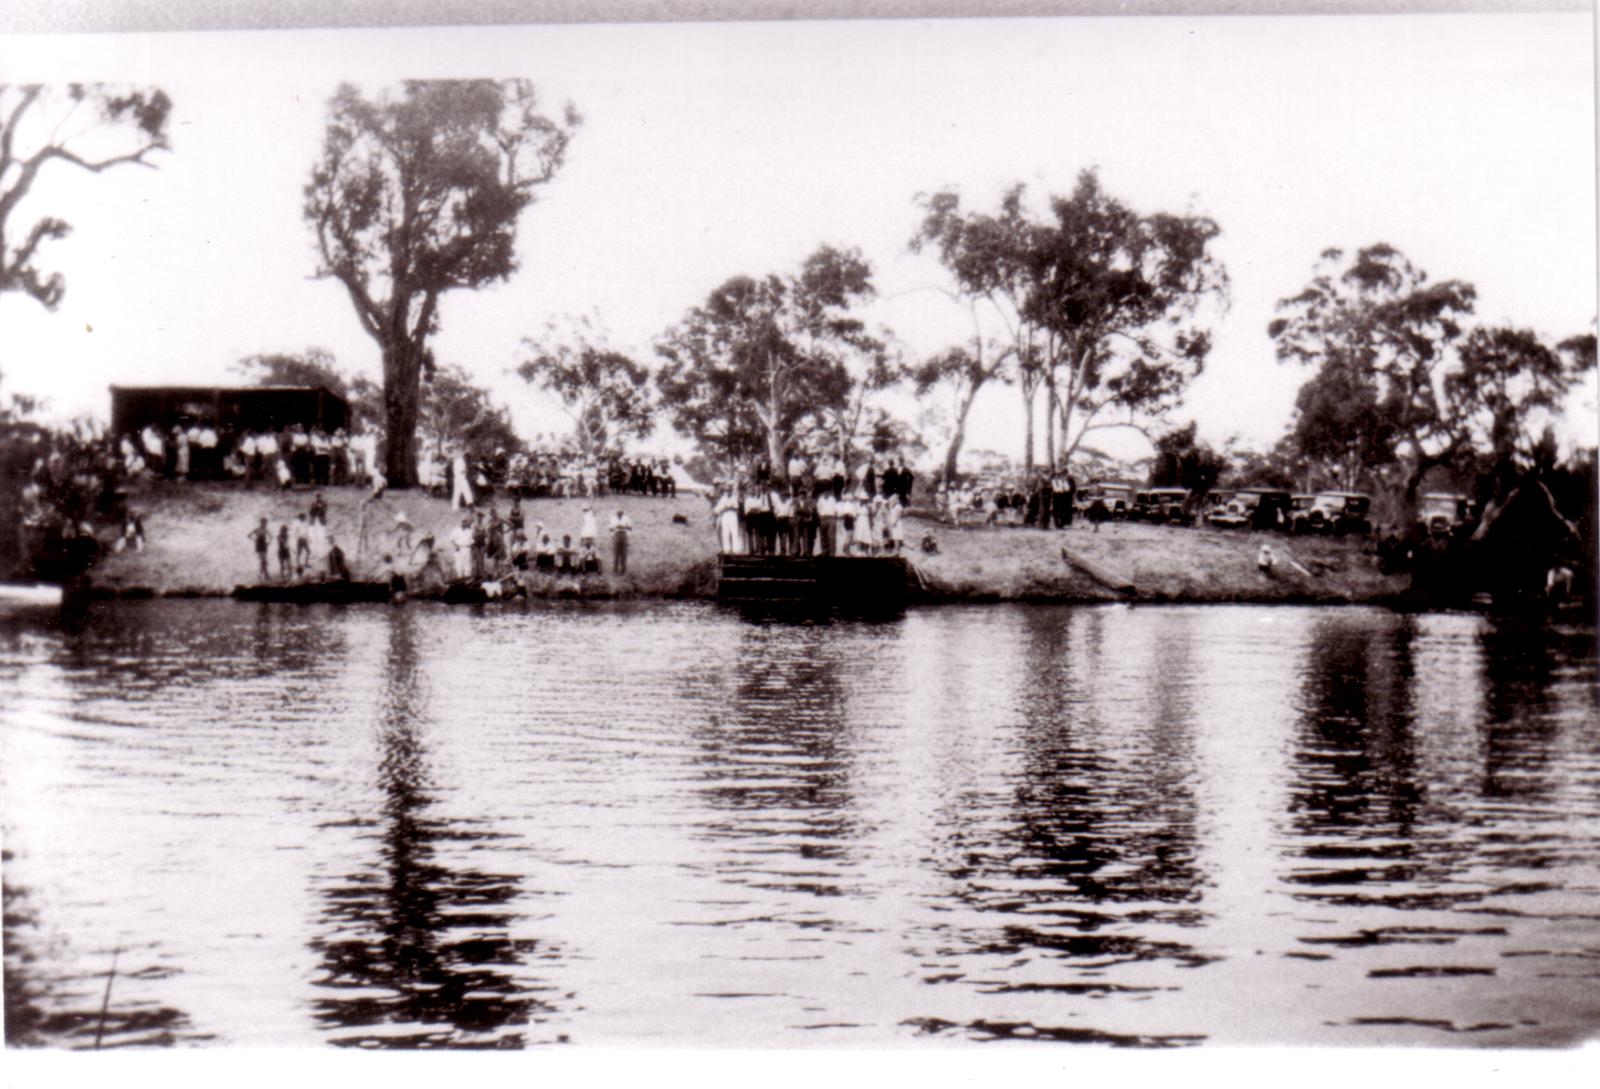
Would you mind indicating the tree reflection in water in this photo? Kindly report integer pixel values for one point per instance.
(1093, 864)
(42, 1012)
(777, 764)
(1355, 767)
(1519, 665)
(417, 953)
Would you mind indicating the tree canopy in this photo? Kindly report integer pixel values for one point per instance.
(1100, 306)
(312, 367)
(1381, 335)
(91, 126)
(1123, 300)
(605, 391)
(763, 360)
(1507, 385)
(418, 193)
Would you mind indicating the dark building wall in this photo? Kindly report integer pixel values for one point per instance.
(227, 409)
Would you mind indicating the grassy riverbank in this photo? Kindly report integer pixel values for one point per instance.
(1163, 563)
(198, 545)
(197, 538)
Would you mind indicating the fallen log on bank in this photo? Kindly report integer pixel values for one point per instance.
(1101, 574)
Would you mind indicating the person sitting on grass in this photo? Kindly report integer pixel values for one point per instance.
(544, 557)
(132, 538)
(338, 570)
(519, 552)
(589, 560)
(565, 555)
(395, 578)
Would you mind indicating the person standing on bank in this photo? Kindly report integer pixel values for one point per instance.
(262, 536)
(782, 522)
(302, 544)
(461, 548)
(620, 528)
(589, 530)
(460, 484)
(285, 559)
(726, 516)
(805, 524)
(828, 522)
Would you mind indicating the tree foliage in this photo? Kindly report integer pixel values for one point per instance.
(1184, 462)
(763, 360)
(987, 255)
(455, 411)
(1380, 334)
(1508, 383)
(1102, 307)
(418, 193)
(605, 391)
(964, 370)
(94, 127)
(1122, 299)
(312, 367)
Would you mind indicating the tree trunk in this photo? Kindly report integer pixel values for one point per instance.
(952, 453)
(775, 458)
(402, 374)
(1027, 428)
(1050, 422)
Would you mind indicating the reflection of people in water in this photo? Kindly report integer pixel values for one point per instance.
(417, 950)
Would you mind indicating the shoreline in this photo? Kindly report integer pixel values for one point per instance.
(198, 548)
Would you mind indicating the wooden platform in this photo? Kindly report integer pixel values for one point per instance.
(308, 593)
(865, 583)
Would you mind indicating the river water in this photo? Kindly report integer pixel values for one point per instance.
(666, 823)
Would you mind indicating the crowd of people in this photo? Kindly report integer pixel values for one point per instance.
(487, 548)
(539, 473)
(1048, 500)
(816, 511)
(301, 456)
(292, 455)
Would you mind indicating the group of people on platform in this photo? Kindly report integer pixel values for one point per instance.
(814, 513)
(1050, 499)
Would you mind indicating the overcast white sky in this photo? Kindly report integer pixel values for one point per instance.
(711, 150)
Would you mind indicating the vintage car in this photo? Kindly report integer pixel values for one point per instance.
(1252, 508)
(1331, 512)
(1441, 514)
(1300, 507)
(1163, 505)
(1115, 500)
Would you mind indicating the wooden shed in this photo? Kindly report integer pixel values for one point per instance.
(227, 408)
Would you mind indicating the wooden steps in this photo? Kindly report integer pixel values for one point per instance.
(870, 583)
